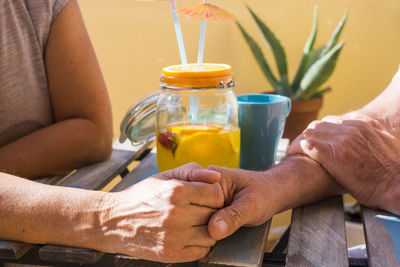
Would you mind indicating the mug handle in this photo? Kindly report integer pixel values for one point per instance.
(288, 107)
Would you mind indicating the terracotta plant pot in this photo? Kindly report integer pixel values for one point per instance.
(302, 113)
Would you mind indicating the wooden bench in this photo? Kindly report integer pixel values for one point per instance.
(316, 237)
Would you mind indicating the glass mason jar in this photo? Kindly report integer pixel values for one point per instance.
(196, 117)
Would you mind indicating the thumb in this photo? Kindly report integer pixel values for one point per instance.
(227, 220)
(192, 172)
(205, 176)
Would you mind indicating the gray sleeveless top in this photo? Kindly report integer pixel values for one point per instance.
(25, 104)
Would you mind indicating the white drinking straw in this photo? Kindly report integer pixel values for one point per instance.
(200, 54)
(178, 32)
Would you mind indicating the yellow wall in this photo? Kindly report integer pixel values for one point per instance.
(134, 40)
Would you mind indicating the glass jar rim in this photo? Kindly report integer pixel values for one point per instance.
(174, 83)
(210, 75)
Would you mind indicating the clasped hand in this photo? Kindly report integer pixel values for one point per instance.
(177, 215)
(361, 154)
(163, 218)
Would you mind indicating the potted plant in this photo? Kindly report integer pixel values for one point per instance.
(316, 66)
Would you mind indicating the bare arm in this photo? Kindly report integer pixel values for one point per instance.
(82, 132)
(160, 218)
(385, 107)
(37, 213)
(361, 149)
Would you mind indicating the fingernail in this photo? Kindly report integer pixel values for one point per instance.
(223, 228)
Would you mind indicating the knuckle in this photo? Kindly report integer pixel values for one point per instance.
(214, 168)
(177, 190)
(331, 119)
(189, 169)
(313, 124)
(193, 165)
(316, 150)
(309, 133)
(219, 195)
(307, 145)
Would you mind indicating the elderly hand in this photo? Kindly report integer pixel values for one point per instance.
(163, 219)
(248, 201)
(360, 154)
(252, 198)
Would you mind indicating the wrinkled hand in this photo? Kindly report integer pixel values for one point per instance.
(247, 202)
(164, 219)
(359, 153)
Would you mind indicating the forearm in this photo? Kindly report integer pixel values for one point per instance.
(55, 149)
(385, 107)
(299, 180)
(37, 213)
(361, 149)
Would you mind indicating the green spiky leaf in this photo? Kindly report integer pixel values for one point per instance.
(276, 48)
(336, 34)
(318, 73)
(306, 53)
(259, 56)
(315, 54)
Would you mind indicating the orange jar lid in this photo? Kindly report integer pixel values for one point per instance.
(189, 76)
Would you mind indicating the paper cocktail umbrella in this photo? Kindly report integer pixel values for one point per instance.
(178, 31)
(205, 11)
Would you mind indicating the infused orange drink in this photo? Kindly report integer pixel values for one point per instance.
(204, 144)
(197, 118)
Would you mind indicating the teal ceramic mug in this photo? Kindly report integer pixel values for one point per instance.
(262, 120)
(392, 225)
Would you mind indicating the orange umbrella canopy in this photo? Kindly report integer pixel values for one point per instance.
(206, 11)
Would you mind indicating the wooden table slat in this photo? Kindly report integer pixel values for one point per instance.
(96, 176)
(126, 261)
(69, 254)
(244, 248)
(378, 240)
(13, 250)
(147, 167)
(317, 235)
(52, 180)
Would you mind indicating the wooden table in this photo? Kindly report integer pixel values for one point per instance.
(316, 237)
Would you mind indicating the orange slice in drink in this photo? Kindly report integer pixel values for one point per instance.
(192, 129)
(203, 148)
